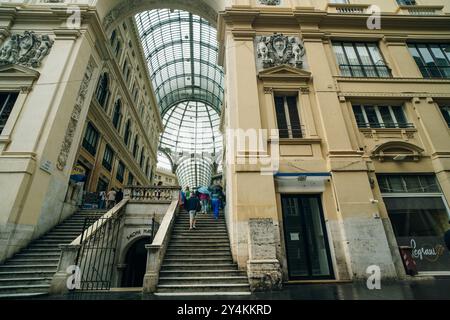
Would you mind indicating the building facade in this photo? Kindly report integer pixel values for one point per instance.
(348, 104)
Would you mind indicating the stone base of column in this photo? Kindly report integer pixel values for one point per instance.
(264, 275)
(150, 282)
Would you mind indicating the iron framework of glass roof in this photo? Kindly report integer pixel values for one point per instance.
(181, 51)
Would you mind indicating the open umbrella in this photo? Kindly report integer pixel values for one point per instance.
(204, 190)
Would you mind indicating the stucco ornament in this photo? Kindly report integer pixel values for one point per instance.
(278, 49)
(28, 49)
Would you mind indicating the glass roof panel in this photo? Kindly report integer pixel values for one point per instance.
(182, 51)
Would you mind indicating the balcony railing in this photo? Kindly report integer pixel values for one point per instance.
(365, 71)
(292, 133)
(420, 10)
(346, 8)
(139, 193)
(362, 125)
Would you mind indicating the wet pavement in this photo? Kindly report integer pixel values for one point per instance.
(438, 289)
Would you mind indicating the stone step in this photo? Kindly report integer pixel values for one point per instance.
(23, 295)
(220, 287)
(190, 251)
(203, 273)
(198, 266)
(193, 236)
(203, 280)
(193, 295)
(53, 241)
(191, 246)
(25, 281)
(32, 261)
(41, 251)
(41, 288)
(223, 242)
(51, 255)
(178, 255)
(29, 267)
(212, 261)
(27, 274)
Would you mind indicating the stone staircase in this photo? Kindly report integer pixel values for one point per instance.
(199, 262)
(29, 272)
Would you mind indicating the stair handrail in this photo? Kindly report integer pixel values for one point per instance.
(157, 249)
(115, 212)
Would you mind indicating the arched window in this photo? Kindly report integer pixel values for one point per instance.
(136, 146)
(113, 37)
(117, 117)
(147, 167)
(102, 93)
(126, 137)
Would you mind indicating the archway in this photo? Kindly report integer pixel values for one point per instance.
(136, 261)
(113, 12)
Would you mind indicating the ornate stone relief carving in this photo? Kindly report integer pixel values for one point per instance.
(270, 2)
(72, 127)
(28, 49)
(278, 49)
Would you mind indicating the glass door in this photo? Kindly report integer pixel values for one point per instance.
(307, 249)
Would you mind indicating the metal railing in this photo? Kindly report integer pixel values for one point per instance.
(386, 125)
(292, 132)
(365, 71)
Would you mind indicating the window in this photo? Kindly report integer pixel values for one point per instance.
(446, 113)
(339, 1)
(7, 101)
(141, 161)
(108, 158)
(113, 37)
(117, 117)
(287, 117)
(127, 135)
(136, 147)
(380, 116)
(433, 60)
(419, 215)
(357, 59)
(408, 184)
(102, 92)
(120, 172)
(130, 179)
(90, 140)
(118, 48)
(406, 2)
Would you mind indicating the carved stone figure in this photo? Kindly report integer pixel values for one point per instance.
(279, 49)
(27, 49)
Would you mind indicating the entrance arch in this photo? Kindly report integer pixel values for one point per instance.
(136, 262)
(113, 12)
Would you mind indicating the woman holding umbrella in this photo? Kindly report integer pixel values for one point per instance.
(204, 199)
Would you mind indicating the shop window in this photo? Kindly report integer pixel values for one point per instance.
(419, 215)
(288, 119)
(7, 101)
(380, 116)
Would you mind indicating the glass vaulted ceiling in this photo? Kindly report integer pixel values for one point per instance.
(181, 50)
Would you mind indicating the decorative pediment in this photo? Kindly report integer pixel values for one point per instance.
(285, 72)
(398, 151)
(14, 70)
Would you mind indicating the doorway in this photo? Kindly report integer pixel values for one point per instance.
(307, 247)
(136, 262)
